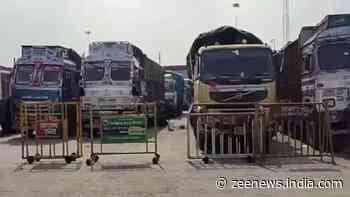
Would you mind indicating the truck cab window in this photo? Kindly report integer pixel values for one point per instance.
(94, 72)
(51, 75)
(24, 74)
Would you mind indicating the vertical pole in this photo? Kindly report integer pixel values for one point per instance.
(63, 127)
(236, 5)
(188, 134)
(144, 113)
(156, 127)
(286, 21)
(91, 132)
(66, 127)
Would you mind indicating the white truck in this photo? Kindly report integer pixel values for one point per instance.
(326, 71)
(108, 73)
(115, 73)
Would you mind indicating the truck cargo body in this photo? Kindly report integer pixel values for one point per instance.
(5, 118)
(288, 80)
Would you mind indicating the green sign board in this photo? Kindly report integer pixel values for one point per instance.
(124, 129)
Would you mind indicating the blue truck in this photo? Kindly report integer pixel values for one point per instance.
(45, 73)
(174, 93)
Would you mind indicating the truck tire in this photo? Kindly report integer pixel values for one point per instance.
(6, 128)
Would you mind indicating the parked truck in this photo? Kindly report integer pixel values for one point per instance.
(45, 73)
(316, 67)
(228, 66)
(5, 120)
(174, 94)
(188, 97)
(117, 73)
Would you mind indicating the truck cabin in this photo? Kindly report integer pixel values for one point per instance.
(234, 73)
(43, 74)
(327, 57)
(235, 64)
(328, 50)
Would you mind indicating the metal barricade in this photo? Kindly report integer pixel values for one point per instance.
(116, 126)
(298, 130)
(259, 131)
(49, 130)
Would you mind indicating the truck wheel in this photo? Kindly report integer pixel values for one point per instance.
(2, 132)
(155, 159)
(6, 128)
(31, 133)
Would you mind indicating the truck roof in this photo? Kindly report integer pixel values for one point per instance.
(233, 46)
(67, 55)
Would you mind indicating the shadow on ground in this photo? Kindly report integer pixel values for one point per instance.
(54, 166)
(117, 167)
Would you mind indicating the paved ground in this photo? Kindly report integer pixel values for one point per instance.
(175, 176)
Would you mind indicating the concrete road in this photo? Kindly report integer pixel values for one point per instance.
(135, 176)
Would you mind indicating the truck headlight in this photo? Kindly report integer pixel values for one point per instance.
(199, 109)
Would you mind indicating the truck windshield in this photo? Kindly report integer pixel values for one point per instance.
(24, 73)
(120, 72)
(334, 56)
(169, 85)
(236, 64)
(51, 74)
(94, 72)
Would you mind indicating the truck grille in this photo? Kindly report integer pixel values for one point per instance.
(238, 96)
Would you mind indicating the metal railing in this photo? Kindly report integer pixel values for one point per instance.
(259, 131)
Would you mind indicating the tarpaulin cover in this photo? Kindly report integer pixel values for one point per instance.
(222, 35)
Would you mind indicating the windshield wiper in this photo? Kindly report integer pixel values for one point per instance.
(260, 76)
(224, 77)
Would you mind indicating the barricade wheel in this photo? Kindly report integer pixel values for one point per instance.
(89, 162)
(68, 159)
(95, 157)
(37, 157)
(30, 159)
(74, 156)
(206, 160)
(155, 159)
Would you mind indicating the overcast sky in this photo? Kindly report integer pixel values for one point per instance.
(169, 26)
